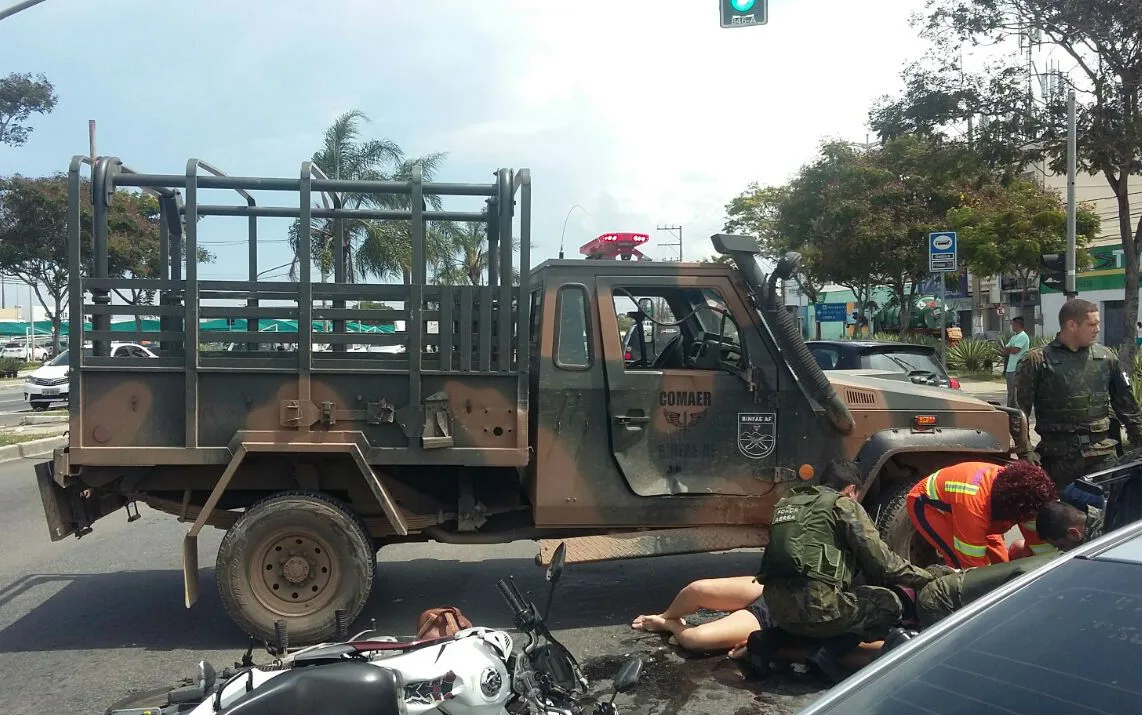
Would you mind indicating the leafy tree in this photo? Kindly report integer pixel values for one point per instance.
(22, 95)
(34, 241)
(1006, 229)
(756, 212)
(861, 218)
(1011, 128)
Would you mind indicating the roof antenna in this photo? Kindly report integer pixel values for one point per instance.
(561, 236)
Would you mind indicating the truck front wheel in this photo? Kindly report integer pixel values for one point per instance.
(891, 515)
(298, 557)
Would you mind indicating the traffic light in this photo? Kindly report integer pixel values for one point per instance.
(743, 13)
(1053, 272)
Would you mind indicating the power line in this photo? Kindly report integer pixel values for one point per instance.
(672, 229)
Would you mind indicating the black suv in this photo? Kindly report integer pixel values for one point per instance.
(918, 363)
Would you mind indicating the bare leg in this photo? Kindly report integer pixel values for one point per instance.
(716, 594)
(720, 635)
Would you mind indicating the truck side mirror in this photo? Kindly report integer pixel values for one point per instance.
(788, 265)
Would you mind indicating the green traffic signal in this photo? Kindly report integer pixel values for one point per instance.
(743, 13)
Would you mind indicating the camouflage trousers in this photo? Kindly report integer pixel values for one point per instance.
(816, 610)
(947, 594)
(1064, 467)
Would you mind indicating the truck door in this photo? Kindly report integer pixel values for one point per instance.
(684, 421)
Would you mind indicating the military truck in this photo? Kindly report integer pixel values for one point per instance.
(510, 412)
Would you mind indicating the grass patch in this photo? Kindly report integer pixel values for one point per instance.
(984, 376)
(7, 440)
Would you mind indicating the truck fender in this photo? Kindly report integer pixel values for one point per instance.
(190, 541)
(883, 445)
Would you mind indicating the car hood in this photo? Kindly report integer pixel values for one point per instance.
(868, 389)
(50, 371)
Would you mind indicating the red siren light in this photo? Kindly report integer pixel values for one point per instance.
(616, 244)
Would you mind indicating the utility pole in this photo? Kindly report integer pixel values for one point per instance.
(18, 7)
(1072, 168)
(672, 229)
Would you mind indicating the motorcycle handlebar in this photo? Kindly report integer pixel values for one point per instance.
(511, 595)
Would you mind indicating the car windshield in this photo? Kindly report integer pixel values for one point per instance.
(1070, 642)
(903, 360)
(60, 359)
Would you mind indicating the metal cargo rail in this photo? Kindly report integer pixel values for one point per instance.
(197, 405)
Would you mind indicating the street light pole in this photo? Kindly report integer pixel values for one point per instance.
(18, 7)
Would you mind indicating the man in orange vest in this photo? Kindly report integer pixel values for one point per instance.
(965, 509)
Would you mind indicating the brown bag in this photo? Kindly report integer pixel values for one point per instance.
(441, 623)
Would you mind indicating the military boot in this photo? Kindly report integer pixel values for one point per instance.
(761, 648)
(897, 637)
(827, 658)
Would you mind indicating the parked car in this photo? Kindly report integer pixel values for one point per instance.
(50, 383)
(1064, 638)
(917, 363)
(21, 351)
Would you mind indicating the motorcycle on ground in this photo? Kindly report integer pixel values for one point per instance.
(474, 672)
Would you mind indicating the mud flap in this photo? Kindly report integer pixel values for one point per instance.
(662, 542)
(190, 568)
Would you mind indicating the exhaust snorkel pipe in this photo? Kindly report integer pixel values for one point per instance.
(768, 299)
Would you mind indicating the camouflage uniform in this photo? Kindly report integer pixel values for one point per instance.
(952, 591)
(1072, 394)
(818, 541)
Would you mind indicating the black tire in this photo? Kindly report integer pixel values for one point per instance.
(299, 557)
(890, 513)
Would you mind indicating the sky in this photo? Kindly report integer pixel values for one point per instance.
(642, 114)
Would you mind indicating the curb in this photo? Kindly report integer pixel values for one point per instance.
(32, 448)
(31, 420)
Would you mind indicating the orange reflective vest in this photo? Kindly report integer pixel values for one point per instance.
(956, 501)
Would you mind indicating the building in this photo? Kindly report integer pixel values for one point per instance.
(1104, 283)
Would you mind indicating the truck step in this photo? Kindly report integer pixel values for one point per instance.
(659, 542)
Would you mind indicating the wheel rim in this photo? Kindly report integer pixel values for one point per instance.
(294, 572)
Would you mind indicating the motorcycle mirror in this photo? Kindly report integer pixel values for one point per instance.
(628, 675)
(558, 561)
(206, 676)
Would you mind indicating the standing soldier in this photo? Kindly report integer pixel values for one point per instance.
(1072, 384)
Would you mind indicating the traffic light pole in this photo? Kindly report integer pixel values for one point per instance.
(1072, 168)
(18, 7)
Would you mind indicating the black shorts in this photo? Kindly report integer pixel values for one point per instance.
(760, 611)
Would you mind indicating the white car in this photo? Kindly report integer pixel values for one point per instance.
(50, 383)
(21, 352)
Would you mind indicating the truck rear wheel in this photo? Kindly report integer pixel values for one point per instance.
(895, 526)
(297, 557)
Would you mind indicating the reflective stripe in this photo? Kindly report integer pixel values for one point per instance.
(961, 488)
(933, 493)
(969, 549)
(1042, 549)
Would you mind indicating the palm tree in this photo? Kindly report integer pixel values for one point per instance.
(344, 156)
(386, 250)
(465, 259)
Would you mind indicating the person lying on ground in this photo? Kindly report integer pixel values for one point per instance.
(964, 510)
(741, 598)
(1061, 524)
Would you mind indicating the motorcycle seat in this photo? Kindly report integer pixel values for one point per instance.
(347, 688)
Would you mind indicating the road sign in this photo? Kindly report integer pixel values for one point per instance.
(744, 13)
(831, 312)
(942, 257)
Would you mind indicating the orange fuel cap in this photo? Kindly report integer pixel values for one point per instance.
(805, 471)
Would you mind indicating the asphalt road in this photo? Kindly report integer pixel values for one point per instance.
(12, 405)
(83, 623)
